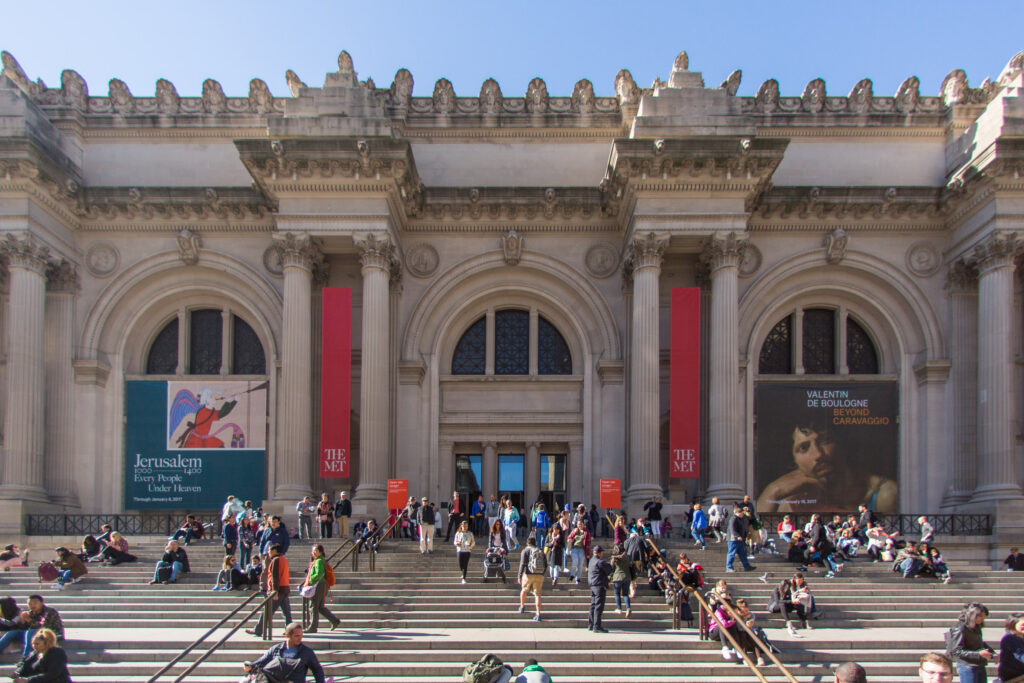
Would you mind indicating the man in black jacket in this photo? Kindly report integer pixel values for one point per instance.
(174, 557)
(342, 513)
(598, 573)
(275, 534)
(293, 651)
(738, 540)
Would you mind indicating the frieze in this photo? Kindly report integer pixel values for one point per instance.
(169, 204)
(854, 204)
(508, 204)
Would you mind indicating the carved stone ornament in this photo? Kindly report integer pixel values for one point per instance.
(962, 276)
(537, 96)
(954, 88)
(13, 70)
(731, 85)
(273, 259)
(260, 99)
(767, 98)
(645, 251)
(583, 100)
(512, 247)
(923, 259)
(601, 260)
(167, 99)
(401, 89)
(491, 99)
(908, 95)
(294, 82)
(102, 259)
(298, 249)
(750, 260)
(444, 96)
(626, 90)
(813, 99)
(62, 276)
(73, 90)
(859, 100)
(422, 260)
(996, 251)
(835, 246)
(121, 99)
(25, 252)
(724, 250)
(188, 247)
(345, 65)
(214, 100)
(375, 251)
(1012, 69)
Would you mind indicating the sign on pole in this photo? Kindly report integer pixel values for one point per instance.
(611, 494)
(398, 493)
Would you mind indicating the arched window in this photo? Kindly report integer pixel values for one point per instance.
(208, 328)
(815, 332)
(513, 342)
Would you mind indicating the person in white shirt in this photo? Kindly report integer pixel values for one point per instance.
(716, 519)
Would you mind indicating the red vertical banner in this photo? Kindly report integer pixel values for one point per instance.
(335, 382)
(684, 384)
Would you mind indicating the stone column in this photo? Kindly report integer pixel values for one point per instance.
(489, 469)
(645, 261)
(997, 477)
(295, 414)
(531, 475)
(723, 253)
(26, 401)
(62, 285)
(962, 285)
(443, 480)
(376, 256)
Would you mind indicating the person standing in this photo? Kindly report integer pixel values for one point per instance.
(316, 576)
(464, 543)
(246, 540)
(967, 648)
(737, 538)
(275, 534)
(493, 511)
(653, 510)
(275, 578)
(620, 578)
(229, 534)
(532, 566)
(511, 521)
(716, 519)
(304, 508)
(699, 526)
(479, 513)
(425, 521)
(598, 573)
(454, 516)
(325, 516)
(411, 511)
(927, 530)
(578, 543)
(342, 513)
(556, 550)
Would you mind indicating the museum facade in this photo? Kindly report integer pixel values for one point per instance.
(511, 262)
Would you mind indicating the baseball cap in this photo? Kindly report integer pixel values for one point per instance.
(598, 549)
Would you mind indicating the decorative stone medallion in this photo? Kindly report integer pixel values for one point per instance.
(422, 260)
(602, 260)
(273, 259)
(750, 261)
(102, 259)
(923, 259)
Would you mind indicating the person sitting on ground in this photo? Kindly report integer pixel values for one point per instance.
(1011, 649)
(190, 529)
(910, 561)
(690, 573)
(174, 557)
(878, 539)
(358, 528)
(938, 565)
(850, 672)
(786, 528)
(115, 550)
(720, 622)
(91, 548)
(254, 570)
(797, 551)
(225, 576)
(782, 602)
(105, 532)
(72, 569)
(849, 544)
(38, 615)
(1014, 561)
(13, 557)
(9, 614)
(800, 594)
(47, 662)
(532, 673)
(371, 537)
(743, 638)
(290, 660)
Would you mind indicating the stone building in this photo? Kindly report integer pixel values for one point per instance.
(511, 260)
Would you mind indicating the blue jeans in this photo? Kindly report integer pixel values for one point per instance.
(578, 561)
(479, 526)
(65, 577)
(698, 535)
(621, 593)
(737, 549)
(971, 674)
(830, 562)
(244, 555)
(180, 534)
(540, 534)
(176, 568)
(909, 567)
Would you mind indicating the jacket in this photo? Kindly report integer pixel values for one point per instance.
(653, 510)
(178, 555)
(305, 656)
(598, 572)
(541, 519)
(48, 618)
(479, 508)
(229, 533)
(571, 541)
(737, 528)
(620, 568)
(1011, 656)
(343, 508)
(316, 572)
(51, 668)
(492, 508)
(422, 514)
(700, 520)
(276, 577)
(273, 536)
(76, 566)
(966, 644)
(464, 541)
(534, 673)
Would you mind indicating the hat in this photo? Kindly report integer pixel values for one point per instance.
(567, 507)
(424, 498)
(598, 549)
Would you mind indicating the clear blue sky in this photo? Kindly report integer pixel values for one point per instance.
(561, 41)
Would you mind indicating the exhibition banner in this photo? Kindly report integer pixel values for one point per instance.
(398, 493)
(335, 382)
(826, 446)
(190, 444)
(611, 494)
(684, 384)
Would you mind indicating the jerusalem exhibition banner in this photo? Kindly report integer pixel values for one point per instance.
(335, 382)
(191, 444)
(684, 384)
(826, 446)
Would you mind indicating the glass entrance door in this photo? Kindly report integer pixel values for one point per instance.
(552, 483)
(468, 476)
(510, 478)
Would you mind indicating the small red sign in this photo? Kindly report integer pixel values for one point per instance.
(611, 494)
(398, 493)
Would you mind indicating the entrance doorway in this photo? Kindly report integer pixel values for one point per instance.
(468, 478)
(510, 478)
(552, 483)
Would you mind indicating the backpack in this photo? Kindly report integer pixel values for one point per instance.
(482, 671)
(162, 574)
(537, 563)
(950, 636)
(329, 575)
(47, 572)
(428, 515)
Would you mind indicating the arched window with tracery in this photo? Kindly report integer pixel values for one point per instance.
(215, 340)
(518, 336)
(818, 341)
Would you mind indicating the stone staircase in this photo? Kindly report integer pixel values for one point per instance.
(412, 621)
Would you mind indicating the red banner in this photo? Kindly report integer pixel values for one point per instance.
(611, 494)
(335, 382)
(398, 493)
(684, 384)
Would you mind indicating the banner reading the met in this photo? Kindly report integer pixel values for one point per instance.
(827, 447)
(188, 445)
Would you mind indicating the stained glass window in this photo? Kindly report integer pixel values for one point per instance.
(553, 357)
(206, 341)
(512, 342)
(777, 350)
(861, 357)
(163, 354)
(470, 357)
(246, 350)
(819, 341)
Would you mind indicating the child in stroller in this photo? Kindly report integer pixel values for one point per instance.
(495, 564)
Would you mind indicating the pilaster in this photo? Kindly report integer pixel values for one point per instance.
(962, 288)
(531, 475)
(62, 288)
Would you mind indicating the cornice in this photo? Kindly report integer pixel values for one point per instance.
(146, 132)
(849, 131)
(547, 134)
(879, 204)
(602, 226)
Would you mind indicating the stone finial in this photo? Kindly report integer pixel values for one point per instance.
(121, 99)
(188, 246)
(167, 99)
(813, 99)
(74, 92)
(214, 101)
(294, 82)
(681, 76)
(583, 100)
(835, 246)
(682, 62)
(954, 89)
(731, 84)
(260, 99)
(537, 96)
(767, 99)
(859, 100)
(345, 65)
(908, 95)
(1012, 69)
(401, 89)
(491, 99)
(626, 90)
(512, 247)
(443, 97)
(13, 71)
(62, 276)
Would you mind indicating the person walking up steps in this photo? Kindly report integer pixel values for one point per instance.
(532, 565)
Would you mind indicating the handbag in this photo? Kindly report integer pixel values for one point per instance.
(307, 591)
(277, 670)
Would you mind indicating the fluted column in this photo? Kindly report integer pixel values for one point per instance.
(62, 285)
(26, 403)
(295, 422)
(997, 477)
(962, 285)
(489, 469)
(723, 253)
(376, 255)
(531, 476)
(645, 262)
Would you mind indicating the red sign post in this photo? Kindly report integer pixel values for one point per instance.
(398, 493)
(684, 384)
(336, 382)
(611, 494)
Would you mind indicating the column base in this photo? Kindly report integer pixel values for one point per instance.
(12, 515)
(23, 492)
(291, 492)
(996, 492)
(727, 494)
(370, 501)
(65, 500)
(954, 499)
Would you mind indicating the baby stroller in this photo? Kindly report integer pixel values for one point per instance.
(494, 564)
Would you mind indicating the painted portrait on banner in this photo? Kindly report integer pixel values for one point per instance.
(826, 447)
(216, 415)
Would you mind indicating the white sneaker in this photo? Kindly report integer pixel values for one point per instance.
(726, 653)
(463, 582)
(58, 586)
(791, 630)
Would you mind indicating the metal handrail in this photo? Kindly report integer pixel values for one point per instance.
(758, 642)
(167, 667)
(735, 644)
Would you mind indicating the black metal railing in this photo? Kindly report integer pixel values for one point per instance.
(129, 524)
(905, 525)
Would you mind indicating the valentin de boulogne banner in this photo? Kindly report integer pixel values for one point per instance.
(190, 444)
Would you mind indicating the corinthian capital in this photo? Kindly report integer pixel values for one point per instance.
(962, 277)
(62, 276)
(646, 251)
(997, 251)
(723, 250)
(375, 251)
(25, 252)
(298, 250)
